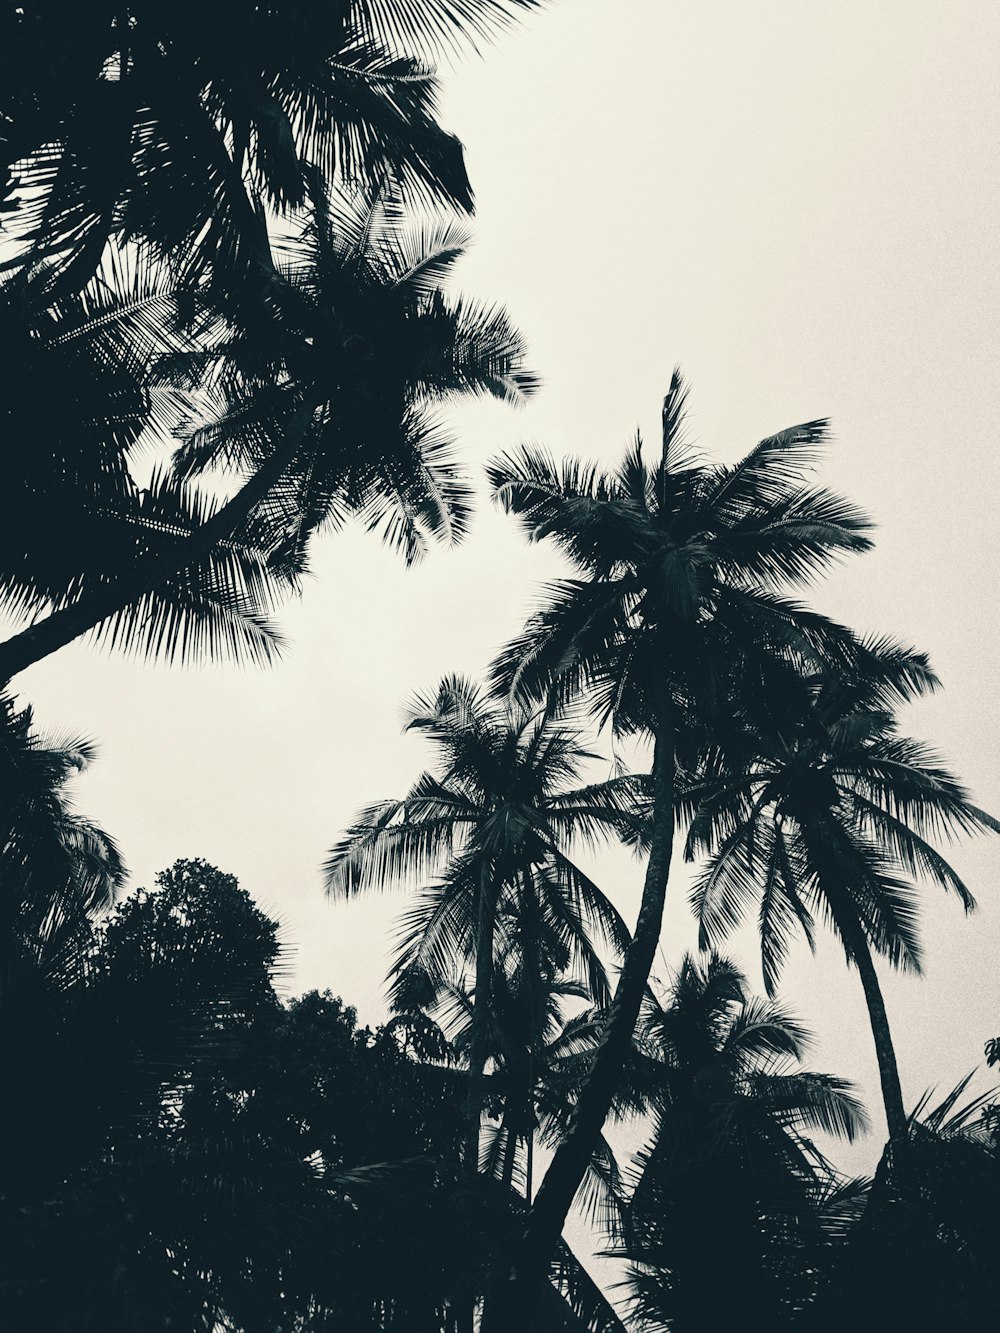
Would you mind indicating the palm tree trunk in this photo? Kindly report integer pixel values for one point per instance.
(885, 1052)
(830, 839)
(529, 1163)
(144, 575)
(479, 1044)
(513, 1304)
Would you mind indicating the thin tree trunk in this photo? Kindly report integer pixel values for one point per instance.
(532, 972)
(892, 1165)
(144, 575)
(479, 1045)
(513, 1304)
(885, 1052)
(831, 838)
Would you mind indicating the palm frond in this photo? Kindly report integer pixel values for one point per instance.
(441, 28)
(813, 1102)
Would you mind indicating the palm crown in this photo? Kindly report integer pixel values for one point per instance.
(680, 565)
(363, 343)
(160, 123)
(57, 869)
(322, 402)
(495, 821)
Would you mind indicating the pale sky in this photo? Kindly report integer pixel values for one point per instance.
(796, 200)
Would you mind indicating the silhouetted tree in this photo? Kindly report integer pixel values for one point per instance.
(490, 828)
(824, 806)
(323, 413)
(184, 1150)
(923, 1255)
(729, 1179)
(57, 869)
(680, 562)
(178, 127)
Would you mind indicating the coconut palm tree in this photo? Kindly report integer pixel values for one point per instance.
(543, 1029)
(326, 416)
(682, 569)
(493, 824)
(538, 1054)
(58, 870)
(729, 1175)
(179, 128)
(923, 1253)
(71, 515)
(826, 807)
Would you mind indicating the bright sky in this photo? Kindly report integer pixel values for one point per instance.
(797, 200)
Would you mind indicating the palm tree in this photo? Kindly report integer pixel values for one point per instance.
(923, 1253)
(543, 1030)
(729, 1178)
(683, 565)
(330, 417)
(163, 124)
(824, 806)
(58, 870)
(71, 512)
(539, 1056)
(488, 829)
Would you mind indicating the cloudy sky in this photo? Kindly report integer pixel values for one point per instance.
(797, 200)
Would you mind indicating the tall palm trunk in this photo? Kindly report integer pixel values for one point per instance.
(145, 574)
(479, 1048)
(479, 1044)
(885, 1051)
(512, 1306)
(828, 838)
(529, 1161)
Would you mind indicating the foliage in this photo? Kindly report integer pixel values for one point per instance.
(682, 569)
(218, 248)
(680, 610)
(175, 127)
(730, 1173)
(224, 1148)
(57, 869)
(923, 1256)
(503, 808)
(233, 237)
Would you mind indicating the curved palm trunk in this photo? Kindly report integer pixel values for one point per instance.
(829, 838)
(885, 1052)
(147, 573)
(513, 1304)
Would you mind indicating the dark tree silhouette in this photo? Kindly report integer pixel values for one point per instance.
(824, 807)
(730, 1176)
(178, 127)
(57, 869)
(923, 1255)
(491, 827)
(680, 561)
(335, 419)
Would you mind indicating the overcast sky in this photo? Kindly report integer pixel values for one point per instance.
(797, 200)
